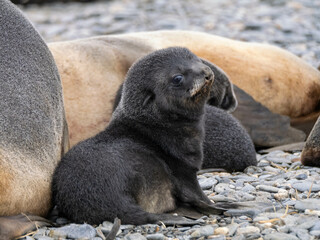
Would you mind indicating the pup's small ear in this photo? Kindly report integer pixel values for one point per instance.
(148, 99)
(221, 94)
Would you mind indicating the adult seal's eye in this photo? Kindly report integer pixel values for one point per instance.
(177, 80)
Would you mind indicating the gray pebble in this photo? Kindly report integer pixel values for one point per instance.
(220, 187)
(156, 236)
(248, 188)
(135, 236)
(74, 231)
(315, 233)
(280, 236)
(302, 176)
(43, 238)
(203, 232)
(221, 198)
(267, 188)
(207, 183)
(313, 204)
(305, 186)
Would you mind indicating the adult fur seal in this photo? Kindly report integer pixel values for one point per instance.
(32, 123)
(227, 144)
(92, 70)
(145, 162)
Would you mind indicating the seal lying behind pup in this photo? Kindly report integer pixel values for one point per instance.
(145, 162)
(226, 144)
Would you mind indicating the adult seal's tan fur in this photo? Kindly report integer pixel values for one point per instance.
(32, 123)
(92, 70)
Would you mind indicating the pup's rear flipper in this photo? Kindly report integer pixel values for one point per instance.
(12, 227)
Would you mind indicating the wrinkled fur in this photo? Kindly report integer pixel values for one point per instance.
(145, 162)
(227, 144)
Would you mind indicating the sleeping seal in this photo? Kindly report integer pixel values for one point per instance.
(145, 162)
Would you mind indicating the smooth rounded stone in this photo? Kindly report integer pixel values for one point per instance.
(217, 237)
(252, 170)
(183, 229)
(156, 236)
(306, 186)
(248, 188)
(239, 237)
(281, 195)
(311, 204)
(263, 163)
(43, 238)
(302, 234)
(221, 198)
(135, 236)
(204, 231)
(224, 180)
(268, 230)
(272, 169)
(316, 226)
(252, 236)
(263, 196)
(267, 188)
(315, 233)
(244, 197)
(283, 229)
(207, 183)
(221, 231)
(306, 222)
(244, 178)
(232, 228)
(29, 238)
(74, 231)
(302, 176)
(280, 236)
(220, 187)
(107, 227)
(279, 160)
(260, 217)
(248, 230)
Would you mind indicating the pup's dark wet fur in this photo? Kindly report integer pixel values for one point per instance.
(145, 163)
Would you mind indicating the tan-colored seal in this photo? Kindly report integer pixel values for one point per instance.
(92, 70)
(32, 123)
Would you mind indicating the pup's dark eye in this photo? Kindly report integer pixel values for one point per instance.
(177, 80)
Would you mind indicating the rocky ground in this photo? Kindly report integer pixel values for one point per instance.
(281, 197)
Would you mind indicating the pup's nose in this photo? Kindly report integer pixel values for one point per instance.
(208, 74)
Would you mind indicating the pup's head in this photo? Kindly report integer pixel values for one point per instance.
(167, 82)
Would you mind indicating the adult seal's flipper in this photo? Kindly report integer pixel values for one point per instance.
(265, 128)
(311, 152)
(12, 227)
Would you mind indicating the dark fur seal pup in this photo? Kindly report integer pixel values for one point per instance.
(227, 144)
(33, 131)
(145, 163)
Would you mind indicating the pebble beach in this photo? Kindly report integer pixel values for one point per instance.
(280, 198)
